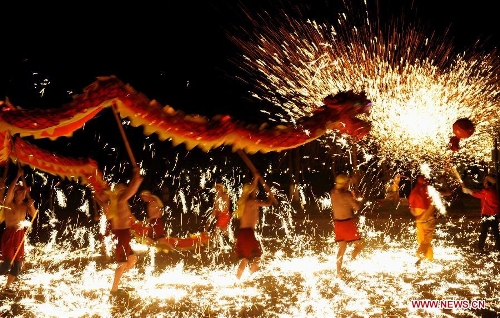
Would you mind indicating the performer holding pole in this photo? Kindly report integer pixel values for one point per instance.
(119, 214)
(17, 205)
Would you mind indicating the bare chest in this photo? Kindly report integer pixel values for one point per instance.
(15, 213)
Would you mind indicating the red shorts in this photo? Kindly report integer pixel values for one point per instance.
(123, 248)
(12, 238)
(346, 230)
(247, 245)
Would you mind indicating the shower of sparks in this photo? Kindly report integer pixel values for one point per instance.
(418, 85)
(69, 277)
(71, 273)
(437, 200)
(61, 198)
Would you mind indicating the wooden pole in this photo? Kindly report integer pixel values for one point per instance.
(24, 237)
(23, 179)
(356, 174)
(124, 136)
(2, 191)
(96, 208)
(254, 170)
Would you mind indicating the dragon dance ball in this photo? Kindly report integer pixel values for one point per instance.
(463, 128)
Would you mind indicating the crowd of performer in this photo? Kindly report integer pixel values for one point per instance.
(18, 206)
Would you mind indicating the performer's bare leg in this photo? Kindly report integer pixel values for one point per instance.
(358, 246)
(241, 267)
(255, 265)
(123, 267)
(10, 280)
(340, 257)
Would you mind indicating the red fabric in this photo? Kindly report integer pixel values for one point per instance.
(189, 242)
(223, 219)
(489, 201)
(223, 130)
(155, 229)
(419, 197)
(346, 230)
(123, 248)
(12, 238)
(247, 245)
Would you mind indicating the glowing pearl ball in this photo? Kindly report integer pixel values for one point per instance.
(463, 128)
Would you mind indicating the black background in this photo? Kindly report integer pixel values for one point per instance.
(177, 51)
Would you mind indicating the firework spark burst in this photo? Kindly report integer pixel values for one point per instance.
(418, 85)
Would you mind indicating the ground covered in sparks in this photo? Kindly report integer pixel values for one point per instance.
(69, 278)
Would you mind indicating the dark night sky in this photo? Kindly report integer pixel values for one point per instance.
(161, 48)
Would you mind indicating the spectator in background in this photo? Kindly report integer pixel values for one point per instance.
(392, 191)
(443, 186)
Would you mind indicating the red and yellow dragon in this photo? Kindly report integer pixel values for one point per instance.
(340, 113)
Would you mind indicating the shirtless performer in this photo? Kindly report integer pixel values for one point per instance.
(121, 217)
(248, 248)
(343, 207)
(17, 206)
